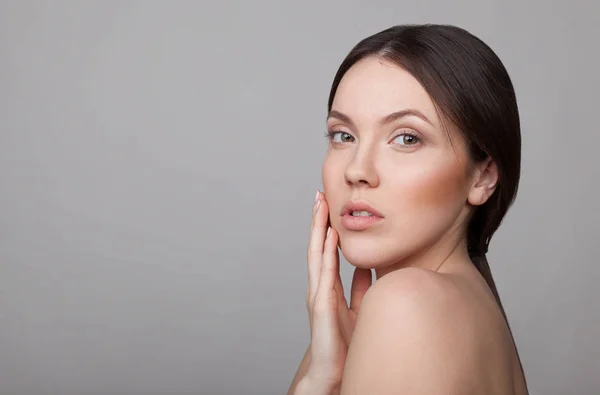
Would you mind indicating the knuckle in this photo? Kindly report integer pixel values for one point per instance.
(328, 269)
(322, 306)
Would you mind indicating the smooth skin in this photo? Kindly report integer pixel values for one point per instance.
(418, 332)
(429, 324)
(332, 320)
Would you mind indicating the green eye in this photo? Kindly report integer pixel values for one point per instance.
(340, 137)
(406, 139)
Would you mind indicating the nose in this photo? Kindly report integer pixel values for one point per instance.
(361, 170)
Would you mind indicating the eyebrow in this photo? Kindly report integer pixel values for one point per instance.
(385, 120)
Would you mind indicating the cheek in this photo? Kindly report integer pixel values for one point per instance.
(332, 174)
(433, 186)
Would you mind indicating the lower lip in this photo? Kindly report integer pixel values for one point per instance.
(359, 223)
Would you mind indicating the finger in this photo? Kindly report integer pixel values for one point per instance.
(317, 198)
(325, 305)
(320, 199)
(330, 267)
(316, 244)
(361, 281)
(312, 263)
(339, 286)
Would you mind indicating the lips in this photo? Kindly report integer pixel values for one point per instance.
(353, 207)
(359, 216)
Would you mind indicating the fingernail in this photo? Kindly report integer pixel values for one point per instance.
(328, 230)
(317, 196)
(317, 204)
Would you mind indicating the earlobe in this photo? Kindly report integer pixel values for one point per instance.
(485, 181)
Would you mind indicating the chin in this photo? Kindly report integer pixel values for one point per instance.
(366, 252)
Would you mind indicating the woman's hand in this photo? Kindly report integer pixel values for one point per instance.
(331, 320)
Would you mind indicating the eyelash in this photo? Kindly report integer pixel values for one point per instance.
(330, 133)
(406, 132)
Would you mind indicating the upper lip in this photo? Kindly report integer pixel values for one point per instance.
(359, 206)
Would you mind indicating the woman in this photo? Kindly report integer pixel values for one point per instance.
(423, 164)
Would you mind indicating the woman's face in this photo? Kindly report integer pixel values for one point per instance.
(396, 185)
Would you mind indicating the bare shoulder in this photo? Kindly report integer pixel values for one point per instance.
(413, 286)
(424, 296)
(422, 332)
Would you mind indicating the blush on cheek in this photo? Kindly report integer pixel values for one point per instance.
(331, 178)
(439, 186)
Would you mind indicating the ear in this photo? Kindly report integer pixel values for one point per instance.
(485, 180)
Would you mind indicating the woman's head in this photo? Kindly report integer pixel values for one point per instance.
(424, 128)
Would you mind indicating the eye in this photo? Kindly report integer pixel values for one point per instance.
(339, 137)
(406, 139)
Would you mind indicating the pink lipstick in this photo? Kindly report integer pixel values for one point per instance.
(359, 216)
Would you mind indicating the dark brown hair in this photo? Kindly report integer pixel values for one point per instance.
(472, 90)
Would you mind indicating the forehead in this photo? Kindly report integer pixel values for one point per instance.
(373, 88)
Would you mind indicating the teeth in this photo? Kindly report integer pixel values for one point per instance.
(361, 214)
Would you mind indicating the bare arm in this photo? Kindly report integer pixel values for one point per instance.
(301, 372)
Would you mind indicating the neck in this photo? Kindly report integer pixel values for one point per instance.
(442, 257)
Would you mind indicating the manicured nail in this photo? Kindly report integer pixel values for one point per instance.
(328, 230)
(317, 196)
(317, 204)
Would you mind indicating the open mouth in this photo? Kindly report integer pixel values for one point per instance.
(361, 214)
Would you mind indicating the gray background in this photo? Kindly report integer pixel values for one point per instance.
(158, 162)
